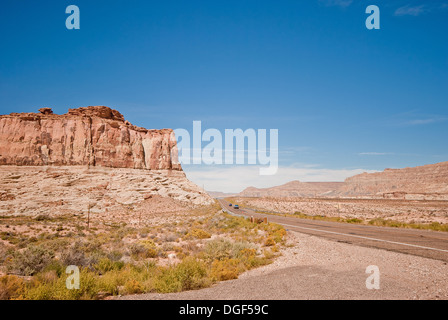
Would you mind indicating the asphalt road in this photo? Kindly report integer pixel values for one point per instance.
(424, 243)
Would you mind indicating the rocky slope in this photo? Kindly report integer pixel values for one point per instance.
(429, 182)
(89, 157)
(428, 179)
(295, 189)
(28, 190)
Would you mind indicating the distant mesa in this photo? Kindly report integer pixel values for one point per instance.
(91, 136)
(428, 182)
(295, 189)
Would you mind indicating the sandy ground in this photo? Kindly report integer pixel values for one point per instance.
(316, 268)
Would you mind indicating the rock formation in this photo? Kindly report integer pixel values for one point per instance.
(55, 164)
(93, 136)
(295, 189)
(406, 183)
(429, 182)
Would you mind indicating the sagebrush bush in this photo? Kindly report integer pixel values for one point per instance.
(76, 255)
(30, 261)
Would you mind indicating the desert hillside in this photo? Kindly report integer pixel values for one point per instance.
(295, 189)
(428, 179)
(428, 182)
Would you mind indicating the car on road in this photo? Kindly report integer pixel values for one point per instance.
(230, 204)
(236, 206)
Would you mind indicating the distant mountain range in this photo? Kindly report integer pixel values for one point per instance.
(423, 182)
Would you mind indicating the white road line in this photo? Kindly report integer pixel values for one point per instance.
(361, 237)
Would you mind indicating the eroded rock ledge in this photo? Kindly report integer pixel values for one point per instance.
(91, 136)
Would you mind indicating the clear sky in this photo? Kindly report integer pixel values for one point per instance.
(344, 99)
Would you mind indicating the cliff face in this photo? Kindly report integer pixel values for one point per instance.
(432, 178)
(92, 136)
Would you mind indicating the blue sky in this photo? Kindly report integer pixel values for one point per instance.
(344, 99)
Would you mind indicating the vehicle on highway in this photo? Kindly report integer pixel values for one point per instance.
(236, 206)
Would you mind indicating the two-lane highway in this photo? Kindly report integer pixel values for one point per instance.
(425, 243)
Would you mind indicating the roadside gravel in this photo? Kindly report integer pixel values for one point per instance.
(315, 268)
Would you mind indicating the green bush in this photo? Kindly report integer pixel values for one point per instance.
(106, 265)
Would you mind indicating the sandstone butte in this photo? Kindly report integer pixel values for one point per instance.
(90, 136)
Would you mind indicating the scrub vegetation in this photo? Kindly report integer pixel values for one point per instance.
(188, 254)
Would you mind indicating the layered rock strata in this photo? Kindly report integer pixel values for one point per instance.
(92, 136)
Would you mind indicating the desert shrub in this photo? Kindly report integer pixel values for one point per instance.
(11, 287)
(32, 260)
(220, 249)
(133, 287)
(227, 269)
(269, 242)
(76, 255)
(113, 282)
(58, 245)
(278, 235)
(105, 265)
(47, 276)
(136, 249)
(56, 266)
(197, 233)
(190, 274)
(57, 290)
(353, 220)
(171, 237)
(4, 253)
(144, 249)
(114, 255)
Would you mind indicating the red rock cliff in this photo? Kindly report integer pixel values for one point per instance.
(94, 136)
